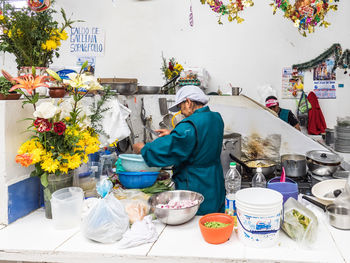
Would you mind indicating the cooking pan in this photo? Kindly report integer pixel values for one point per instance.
(268, 170)
(338, 215)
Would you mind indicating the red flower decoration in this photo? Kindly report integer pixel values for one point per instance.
(171, 67)
(59, 127)
(42, 125)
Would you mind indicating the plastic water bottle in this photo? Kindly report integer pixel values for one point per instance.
(232, 184)
(259, 179)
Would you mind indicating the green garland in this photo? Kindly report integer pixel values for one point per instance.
(342, 59)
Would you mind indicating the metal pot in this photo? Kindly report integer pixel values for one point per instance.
(322, 163)
(329, 138)
(124, 88)
(294, 164)
(231, 144)
(148, 89)
(338, 215)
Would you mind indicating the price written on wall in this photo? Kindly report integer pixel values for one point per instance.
(87, 40)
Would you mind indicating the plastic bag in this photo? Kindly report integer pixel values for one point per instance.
(136, 210)
(107, 221)
(299, 222)
(303, 104)
(141, 232)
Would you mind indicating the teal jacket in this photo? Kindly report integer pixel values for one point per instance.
(194, 148)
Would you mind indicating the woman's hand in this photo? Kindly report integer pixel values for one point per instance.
(163, 132)
(137, 147)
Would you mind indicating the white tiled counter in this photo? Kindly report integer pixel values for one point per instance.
(34, 239)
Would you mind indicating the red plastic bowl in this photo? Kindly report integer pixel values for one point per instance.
(216, 235)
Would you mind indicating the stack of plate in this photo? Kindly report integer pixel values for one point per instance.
(342, 139)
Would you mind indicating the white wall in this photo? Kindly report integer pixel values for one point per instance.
(249, 55)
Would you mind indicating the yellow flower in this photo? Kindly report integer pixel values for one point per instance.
(30, 146)
(2, 17)
(63, 168)
(36, 155)
(49, 165)
(10, 34)
(19, 32)
(5, 31)
(63, 35)
(49, 45)
(74, 161)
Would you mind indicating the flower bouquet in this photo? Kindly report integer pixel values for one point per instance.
(171, 71)
(33, 37)
(62, 134)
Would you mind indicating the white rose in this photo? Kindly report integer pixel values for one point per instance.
(45, 110)
(65, 108)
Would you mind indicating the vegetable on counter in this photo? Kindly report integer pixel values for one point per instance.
(158, 187)
(215, 224)
(303, 220)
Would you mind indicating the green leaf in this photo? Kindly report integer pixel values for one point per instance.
(43, 179)
(85, 64)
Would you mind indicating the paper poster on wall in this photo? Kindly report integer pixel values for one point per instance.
(325, 89)
(91, 63)
(324, 70)
(87, 41)
(292, 83)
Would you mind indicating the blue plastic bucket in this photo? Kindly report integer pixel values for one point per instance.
(289, 188)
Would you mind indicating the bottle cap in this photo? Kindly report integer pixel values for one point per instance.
(232, 164)
(259, 170)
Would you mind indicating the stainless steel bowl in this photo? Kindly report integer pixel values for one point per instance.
(148, 89)
(175, 216)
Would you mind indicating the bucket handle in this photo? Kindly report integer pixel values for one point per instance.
(257, 232)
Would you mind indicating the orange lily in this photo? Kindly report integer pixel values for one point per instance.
(24, 159)
(30, 83)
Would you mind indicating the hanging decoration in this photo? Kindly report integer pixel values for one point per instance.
(305, 14)
(231, 9)
(191, 15)
(342, 59)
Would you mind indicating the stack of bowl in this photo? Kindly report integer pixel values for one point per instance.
(137, 173)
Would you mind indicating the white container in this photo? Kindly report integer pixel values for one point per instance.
(259, 214)
(66, 205)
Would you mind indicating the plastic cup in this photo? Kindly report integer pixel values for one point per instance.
(66, 205)
(289, 188)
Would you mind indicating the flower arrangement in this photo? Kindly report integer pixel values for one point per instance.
(305, 14)
(232, 9)
(63, 136)
(171, 68)
(33, 37)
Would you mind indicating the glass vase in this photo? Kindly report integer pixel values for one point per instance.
(55, 182)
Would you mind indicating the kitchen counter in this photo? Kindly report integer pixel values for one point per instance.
(33, 238)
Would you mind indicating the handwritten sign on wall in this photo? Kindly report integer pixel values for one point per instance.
(87, 41)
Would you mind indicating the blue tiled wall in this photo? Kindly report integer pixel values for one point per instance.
(24, 197)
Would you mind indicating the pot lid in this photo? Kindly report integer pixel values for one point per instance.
(326, 157)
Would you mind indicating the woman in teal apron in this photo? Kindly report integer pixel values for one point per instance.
(193, 147)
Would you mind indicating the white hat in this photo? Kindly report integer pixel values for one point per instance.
(191, 92)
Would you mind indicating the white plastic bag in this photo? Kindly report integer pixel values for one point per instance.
(141, 232)
(299, 223)
(107, 221)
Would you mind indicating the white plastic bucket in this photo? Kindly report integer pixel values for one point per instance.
(66, 205)
(258, 214)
